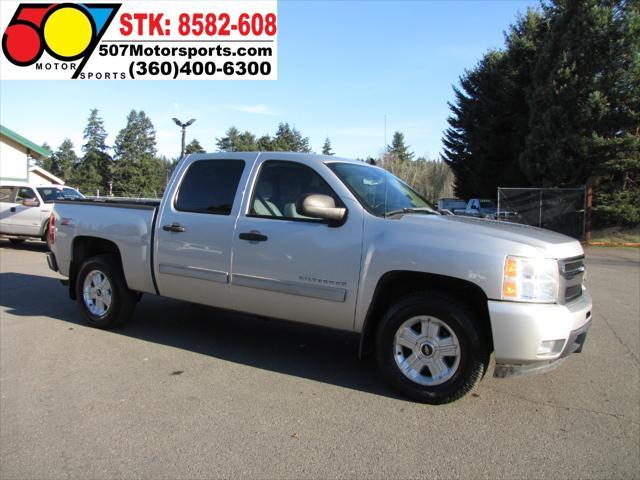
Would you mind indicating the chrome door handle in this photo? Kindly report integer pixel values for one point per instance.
(253, 237)
(174, 227)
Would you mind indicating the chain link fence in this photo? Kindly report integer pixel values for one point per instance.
(562, 210)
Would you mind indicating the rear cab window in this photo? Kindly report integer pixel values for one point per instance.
(209, 187)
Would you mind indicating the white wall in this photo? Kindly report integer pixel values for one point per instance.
(14, 164)
(35, 178)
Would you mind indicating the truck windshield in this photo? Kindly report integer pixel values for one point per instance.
(380, 192)
(51, 194)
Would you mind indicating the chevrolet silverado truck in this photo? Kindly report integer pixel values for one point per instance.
(341, 244)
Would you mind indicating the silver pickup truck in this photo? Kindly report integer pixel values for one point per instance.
(341, 244)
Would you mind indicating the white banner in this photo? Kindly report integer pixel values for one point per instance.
(138, 40)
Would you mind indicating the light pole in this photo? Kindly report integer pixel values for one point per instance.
(184, 132)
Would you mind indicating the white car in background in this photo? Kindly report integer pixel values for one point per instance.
(25, 209)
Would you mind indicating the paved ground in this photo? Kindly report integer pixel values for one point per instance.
(190, 392)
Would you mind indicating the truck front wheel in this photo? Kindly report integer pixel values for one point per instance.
(102, 292)
(430, 349)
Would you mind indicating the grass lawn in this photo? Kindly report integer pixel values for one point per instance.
(616, 236)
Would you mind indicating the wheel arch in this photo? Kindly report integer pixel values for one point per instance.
(44, 227)
(396, 284)
(84, 247)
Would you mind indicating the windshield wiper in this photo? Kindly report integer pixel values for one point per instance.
(425, 210)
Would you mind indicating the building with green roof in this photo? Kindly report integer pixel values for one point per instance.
(17, 155)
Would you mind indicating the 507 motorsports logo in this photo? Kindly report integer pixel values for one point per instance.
(69, 33)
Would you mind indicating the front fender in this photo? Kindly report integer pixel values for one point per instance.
(433, 247)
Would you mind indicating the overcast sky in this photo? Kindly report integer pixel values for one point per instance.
(343, 65)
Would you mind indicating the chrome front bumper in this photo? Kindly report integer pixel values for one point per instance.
(519, 329)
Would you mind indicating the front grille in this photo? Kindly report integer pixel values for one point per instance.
(571, 267)
(572, 273)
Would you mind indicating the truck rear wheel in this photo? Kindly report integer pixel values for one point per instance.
(430, 349)
(102, 292)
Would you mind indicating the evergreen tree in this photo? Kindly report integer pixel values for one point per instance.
(288, 139)
(229, 142)
(235, 141)
(482, 146)
(166, 166)
(137, 171)
(585, 105)
(431, 178)
(194, 147)
(398, 150)
(46, 161)
(95, 134)
(246, 142)
(93, 171)
(86, 177)
(64, 160)
(561, 99)
(326, 147)
(264, 144)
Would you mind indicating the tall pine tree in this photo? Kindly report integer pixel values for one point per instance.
(398, 150)
(559, 106)
(64, 160)
(137, 171)
(286, 139)
(585, 105)
(194, 147)
(326, 147)
(490, 115)
(235, 141)
(45, 162)
(92, 172)
(229, 142)
(289, 139)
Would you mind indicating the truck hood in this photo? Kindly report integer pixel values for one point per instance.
(548, 244)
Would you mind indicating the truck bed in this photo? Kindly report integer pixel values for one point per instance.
(127, 223)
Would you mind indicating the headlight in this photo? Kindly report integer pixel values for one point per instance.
(530, 280)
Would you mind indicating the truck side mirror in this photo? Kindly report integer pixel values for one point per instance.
(30, 202)
(315, 205)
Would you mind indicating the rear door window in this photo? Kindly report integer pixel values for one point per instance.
(210, 186)
(25, 193)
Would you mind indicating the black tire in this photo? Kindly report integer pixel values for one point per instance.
(17, 241)
(122, 300)
(473, 356)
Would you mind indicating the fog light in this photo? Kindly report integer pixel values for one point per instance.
(550, 347)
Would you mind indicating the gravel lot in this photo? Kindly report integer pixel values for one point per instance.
(190, 392)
